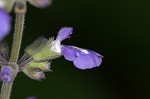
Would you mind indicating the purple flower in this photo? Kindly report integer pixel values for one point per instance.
(82, 58)
(62, 35)
(4, 24)
(6, 74)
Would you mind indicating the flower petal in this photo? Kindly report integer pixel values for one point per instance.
(4, 24)
(84, 61)
(64, 33)
(97, 54)
(97, 59)
(69, 53)
(82, 58)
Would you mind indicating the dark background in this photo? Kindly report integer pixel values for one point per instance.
(117, 29)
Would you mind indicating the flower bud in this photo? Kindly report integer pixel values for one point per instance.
(34, 73)
(6, 74)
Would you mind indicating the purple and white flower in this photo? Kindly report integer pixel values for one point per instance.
(63, 34)
(5, 20)
(82, 58)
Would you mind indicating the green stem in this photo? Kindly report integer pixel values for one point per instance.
(17, 38)
(19, 26)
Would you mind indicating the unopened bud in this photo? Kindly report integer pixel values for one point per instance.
(34, 73)
(6, 74)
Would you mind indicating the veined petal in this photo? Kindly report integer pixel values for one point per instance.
(82, 58)
(84, 61)
(97, 59)
(69, 53)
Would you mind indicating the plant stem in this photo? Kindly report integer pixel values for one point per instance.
(20, 10)
(17, 38)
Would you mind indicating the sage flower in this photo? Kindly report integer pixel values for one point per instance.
(82, 58)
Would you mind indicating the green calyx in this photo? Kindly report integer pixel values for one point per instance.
(35, 69)
(34, 73)
(40, 50)
(44, 66)
(35, 61)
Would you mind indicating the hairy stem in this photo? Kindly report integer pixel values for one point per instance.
(17, 38)
(20, 10)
